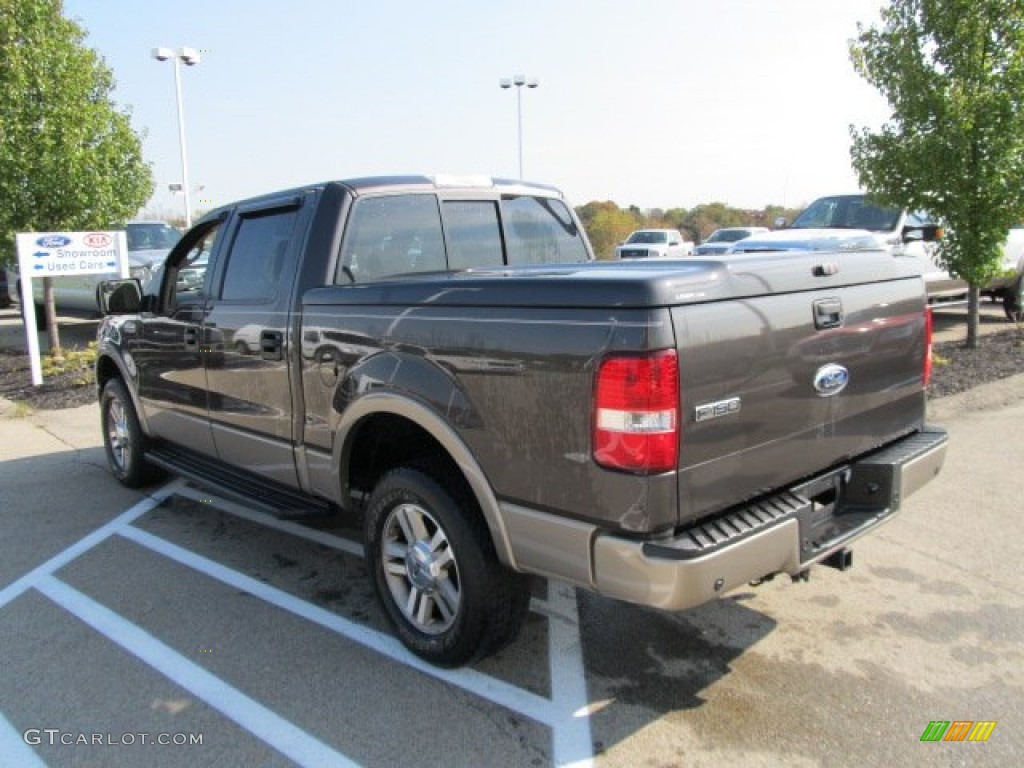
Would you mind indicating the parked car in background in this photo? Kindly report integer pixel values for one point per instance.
(151, 236)
(806, 240)
(850, 222)
(149, 242)
(5, 297)
(1008, 287)
(654, 244)
(722, 239)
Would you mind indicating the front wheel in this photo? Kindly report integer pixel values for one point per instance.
(123, 437)
(434, 569)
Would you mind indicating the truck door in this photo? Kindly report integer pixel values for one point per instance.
(166, 352)
(246, 338)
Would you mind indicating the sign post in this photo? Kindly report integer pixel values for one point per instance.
(63, 254)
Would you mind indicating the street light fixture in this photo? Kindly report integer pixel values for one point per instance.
(191, 57)
(519, 81)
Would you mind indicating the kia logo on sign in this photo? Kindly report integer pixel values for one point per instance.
(53, 241)
(98, 240)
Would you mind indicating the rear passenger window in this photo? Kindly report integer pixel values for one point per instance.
(474, 237)
(256, 262)
(540, 230)
(392, 235)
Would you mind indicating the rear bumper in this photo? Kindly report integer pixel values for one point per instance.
(784, 533)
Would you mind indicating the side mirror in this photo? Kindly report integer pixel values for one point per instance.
(119, 297)
(927, 233)
(781, 223)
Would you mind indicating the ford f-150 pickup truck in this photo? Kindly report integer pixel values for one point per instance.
(444, 359)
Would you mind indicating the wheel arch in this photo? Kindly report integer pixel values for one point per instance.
(109, 367)
(384, 430)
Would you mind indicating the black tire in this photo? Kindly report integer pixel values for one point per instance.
(435, 571)
(123, 437)
(1013, 301)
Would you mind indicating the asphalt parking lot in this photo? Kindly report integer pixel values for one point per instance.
(128, 620)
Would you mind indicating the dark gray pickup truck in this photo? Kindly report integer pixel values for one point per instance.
(443, 358)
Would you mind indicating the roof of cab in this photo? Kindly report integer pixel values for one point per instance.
(368, 185)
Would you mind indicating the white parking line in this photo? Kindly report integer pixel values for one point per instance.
(484, 686)
(13, 749)
(20, 585)
(566, 713)
(573, 745)
(264, 724)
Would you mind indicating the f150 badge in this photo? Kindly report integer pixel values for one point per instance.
(831, 379)
(717, 410)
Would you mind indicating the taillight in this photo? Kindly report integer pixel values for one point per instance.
(636, 412)
(927, 373)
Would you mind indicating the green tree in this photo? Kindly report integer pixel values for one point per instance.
(69, 159)
(953, 74)
(607, 225)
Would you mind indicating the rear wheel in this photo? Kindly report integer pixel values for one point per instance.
(435, 571)
(123, 437)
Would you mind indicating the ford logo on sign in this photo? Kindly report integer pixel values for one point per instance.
(53, 241)
(831, 379)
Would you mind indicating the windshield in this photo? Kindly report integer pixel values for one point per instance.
(847, 212)
(648, 237)
(151, 236)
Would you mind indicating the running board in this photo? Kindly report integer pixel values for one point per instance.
(237, 484)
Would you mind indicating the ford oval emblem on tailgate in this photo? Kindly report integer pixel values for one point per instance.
(831, 379)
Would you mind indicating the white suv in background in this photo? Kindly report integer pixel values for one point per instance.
(654, 244)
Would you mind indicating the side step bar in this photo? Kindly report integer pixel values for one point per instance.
(265, 495)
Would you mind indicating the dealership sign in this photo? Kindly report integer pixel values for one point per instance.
(52, 254)
(64, 254)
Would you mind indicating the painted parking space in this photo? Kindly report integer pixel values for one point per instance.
(73, 581)
(849, 668)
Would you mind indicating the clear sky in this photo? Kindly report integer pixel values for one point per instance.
(655, 103)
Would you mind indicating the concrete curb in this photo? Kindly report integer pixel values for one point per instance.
(986, 397)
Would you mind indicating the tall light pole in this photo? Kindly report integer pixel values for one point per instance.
(191, 57)
(519, 81)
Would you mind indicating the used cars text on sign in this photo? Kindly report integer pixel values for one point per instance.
(63, 254)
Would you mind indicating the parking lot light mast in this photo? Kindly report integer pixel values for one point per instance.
(519, 81)
(191, 57)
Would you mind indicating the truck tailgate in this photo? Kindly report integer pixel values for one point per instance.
(777, 387)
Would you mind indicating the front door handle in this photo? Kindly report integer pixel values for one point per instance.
(191, 338)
